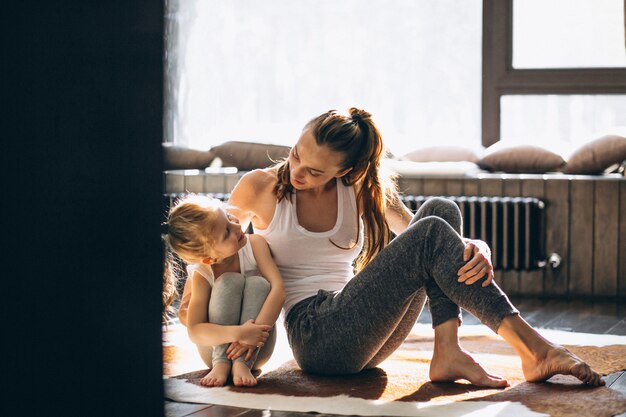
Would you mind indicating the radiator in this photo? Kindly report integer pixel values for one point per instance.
(512, 226)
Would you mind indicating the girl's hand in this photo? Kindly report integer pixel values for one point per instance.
(480, 264)
(237, 349)
(253, 334)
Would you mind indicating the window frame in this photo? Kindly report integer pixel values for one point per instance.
(500, 78)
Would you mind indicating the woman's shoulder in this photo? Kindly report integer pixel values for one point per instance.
(259, 180)
(255, 189)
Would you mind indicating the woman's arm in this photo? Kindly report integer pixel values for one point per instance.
(399, 216)
(241, 201)
(274, 302)
(479, 265)
(253, 199)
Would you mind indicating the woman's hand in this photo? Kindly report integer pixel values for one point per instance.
(479, 265)
(237, 349)
(253, 334)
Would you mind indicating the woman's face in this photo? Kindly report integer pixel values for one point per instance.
(312, 165)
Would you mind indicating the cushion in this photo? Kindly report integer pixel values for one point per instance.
(518, 158)
(243, 155)
(410, 169)
(180, 157)
(247, 156)
(597, 156)
(442, 154)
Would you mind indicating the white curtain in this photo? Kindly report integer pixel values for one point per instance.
(259, 70)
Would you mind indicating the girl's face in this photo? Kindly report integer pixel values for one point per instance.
(312, 165)
(228, 236)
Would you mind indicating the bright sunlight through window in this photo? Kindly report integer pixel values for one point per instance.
(259, 70)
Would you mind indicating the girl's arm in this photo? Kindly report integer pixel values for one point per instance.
(203, 333)
(274, 302)
(183, 309)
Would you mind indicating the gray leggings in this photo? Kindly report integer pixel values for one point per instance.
(236, 299)
(358, 327)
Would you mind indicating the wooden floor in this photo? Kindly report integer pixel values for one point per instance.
(598, 317)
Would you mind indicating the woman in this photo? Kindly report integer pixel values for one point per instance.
(329, 203)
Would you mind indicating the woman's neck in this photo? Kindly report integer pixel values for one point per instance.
(322, 189)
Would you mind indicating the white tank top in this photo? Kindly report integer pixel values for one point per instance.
(247, 265)
(308, 261)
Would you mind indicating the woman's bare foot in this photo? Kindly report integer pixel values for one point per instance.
(456, 363)
(542, 359)
(558, 360)
(450, 362)
(218, 375)
(242, 377)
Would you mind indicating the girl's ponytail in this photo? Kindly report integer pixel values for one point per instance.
(171, 272)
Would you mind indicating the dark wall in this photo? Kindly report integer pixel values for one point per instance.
(81, 161)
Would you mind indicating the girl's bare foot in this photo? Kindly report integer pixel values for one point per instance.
(242, 377)
(455, 363)
(218, 375)
(558, 360)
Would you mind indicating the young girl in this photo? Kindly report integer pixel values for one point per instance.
(235, 290)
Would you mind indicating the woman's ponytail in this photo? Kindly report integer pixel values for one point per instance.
(377, 189)
(357, 138)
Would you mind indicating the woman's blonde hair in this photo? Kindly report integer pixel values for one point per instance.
(188, 235)
(357, 138)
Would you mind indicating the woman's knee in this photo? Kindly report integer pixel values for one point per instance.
(443, 208)
(429, 225)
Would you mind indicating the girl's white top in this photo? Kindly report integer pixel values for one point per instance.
(309, 261)
(247, 265)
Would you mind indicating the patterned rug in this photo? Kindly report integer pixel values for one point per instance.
(400, 385)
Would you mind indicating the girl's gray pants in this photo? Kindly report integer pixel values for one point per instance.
(236, 299)
(346, 331)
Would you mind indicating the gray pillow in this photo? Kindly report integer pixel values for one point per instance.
(441, 154)
(596, 156)
(180, 157)
(247, 156)
(522, 159)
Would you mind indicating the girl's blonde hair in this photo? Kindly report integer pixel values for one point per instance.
(357, 138)
(188, 235)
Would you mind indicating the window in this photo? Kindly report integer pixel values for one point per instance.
(583, 34)
(535, 87)
(259, 70)
(563, 118)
